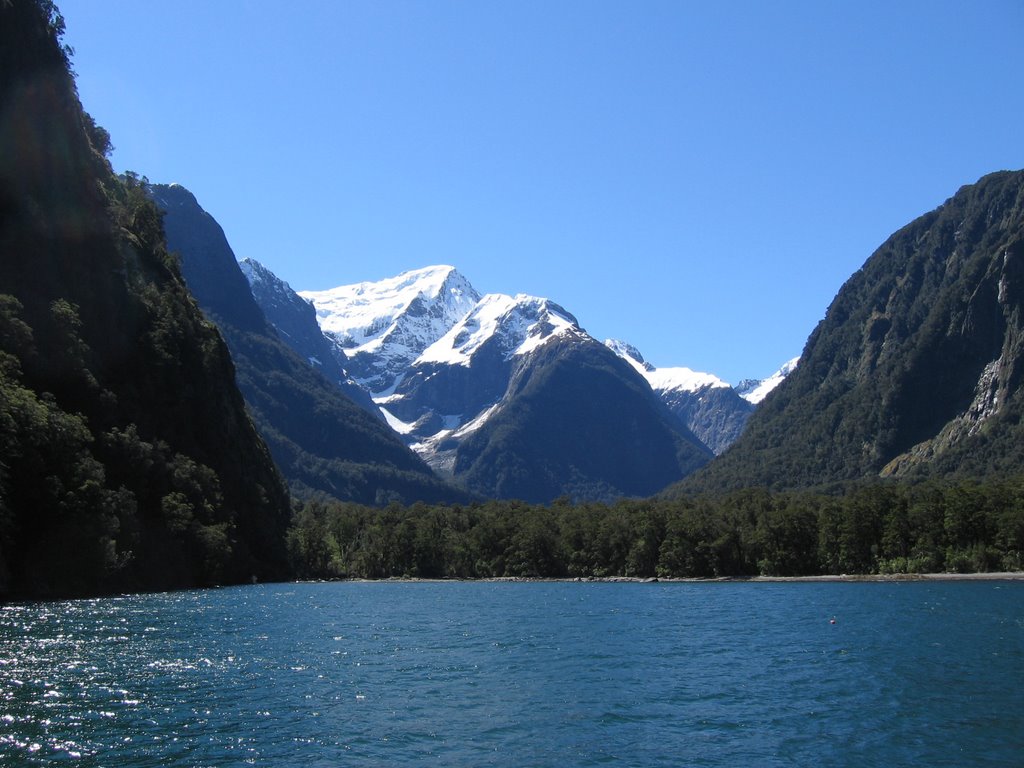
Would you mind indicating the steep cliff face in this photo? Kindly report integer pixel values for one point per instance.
(915, 369)
(323, 442)
(127, 460)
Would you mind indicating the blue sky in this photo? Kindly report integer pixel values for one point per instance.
(698, 179)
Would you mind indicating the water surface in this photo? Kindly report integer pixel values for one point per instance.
(520, 674)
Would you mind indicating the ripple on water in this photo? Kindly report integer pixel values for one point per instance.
(512, 674)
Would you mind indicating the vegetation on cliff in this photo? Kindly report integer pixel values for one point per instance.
(127, 460)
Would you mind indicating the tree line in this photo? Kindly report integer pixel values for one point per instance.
(875, 528)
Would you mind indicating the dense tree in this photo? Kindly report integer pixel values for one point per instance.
(875, 528)
(127, 460)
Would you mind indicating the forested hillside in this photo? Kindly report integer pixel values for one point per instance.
(127, 460)
(916, 369)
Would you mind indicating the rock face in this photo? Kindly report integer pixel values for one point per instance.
(716, 415)
(916, 368)
(382, 327)
(323, 443)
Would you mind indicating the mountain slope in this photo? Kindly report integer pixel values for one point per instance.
(576, 420)
(455, 381)
(916, 368)
(127, 460)
(294, 319)
(708, 406)
(321, 440)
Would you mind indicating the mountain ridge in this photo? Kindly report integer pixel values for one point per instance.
(915, 369)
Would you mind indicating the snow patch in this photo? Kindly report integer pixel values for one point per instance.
(364, 313)
(664, 379)
(521, 323)
(683, 379)
(401, 427)
(754, 391)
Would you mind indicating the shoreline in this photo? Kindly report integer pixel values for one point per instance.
(847, 578)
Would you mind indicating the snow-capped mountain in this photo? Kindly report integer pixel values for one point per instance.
(710, 407)
(508, 394)
(756, 390)
(459, 381)
(518, 324)
(382, 327)
(680, 378)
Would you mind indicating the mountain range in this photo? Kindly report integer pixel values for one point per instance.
(714, 410)
(498, 392)
(447, 369)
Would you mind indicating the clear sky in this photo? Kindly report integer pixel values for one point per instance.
(698, 179)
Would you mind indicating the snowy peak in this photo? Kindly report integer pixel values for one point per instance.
(756, 390)
(630, 354)
(423, 302)
(519, 324)
(383, 326)
(664, 379)
(709, 407)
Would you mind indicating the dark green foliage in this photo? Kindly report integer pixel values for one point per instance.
(917, 367)
(127, 459)
(878, 528)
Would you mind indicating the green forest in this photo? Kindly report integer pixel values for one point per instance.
(885, 528)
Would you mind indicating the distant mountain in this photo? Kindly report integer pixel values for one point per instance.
(756, 390)
(576, 420)
(294, 319)
(456, 382)
(507, 394)
(917, 367)
(127, 459)
(322, 441)
(382, 327)
(714, 411)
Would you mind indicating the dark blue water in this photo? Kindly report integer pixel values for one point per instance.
(509, 674)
